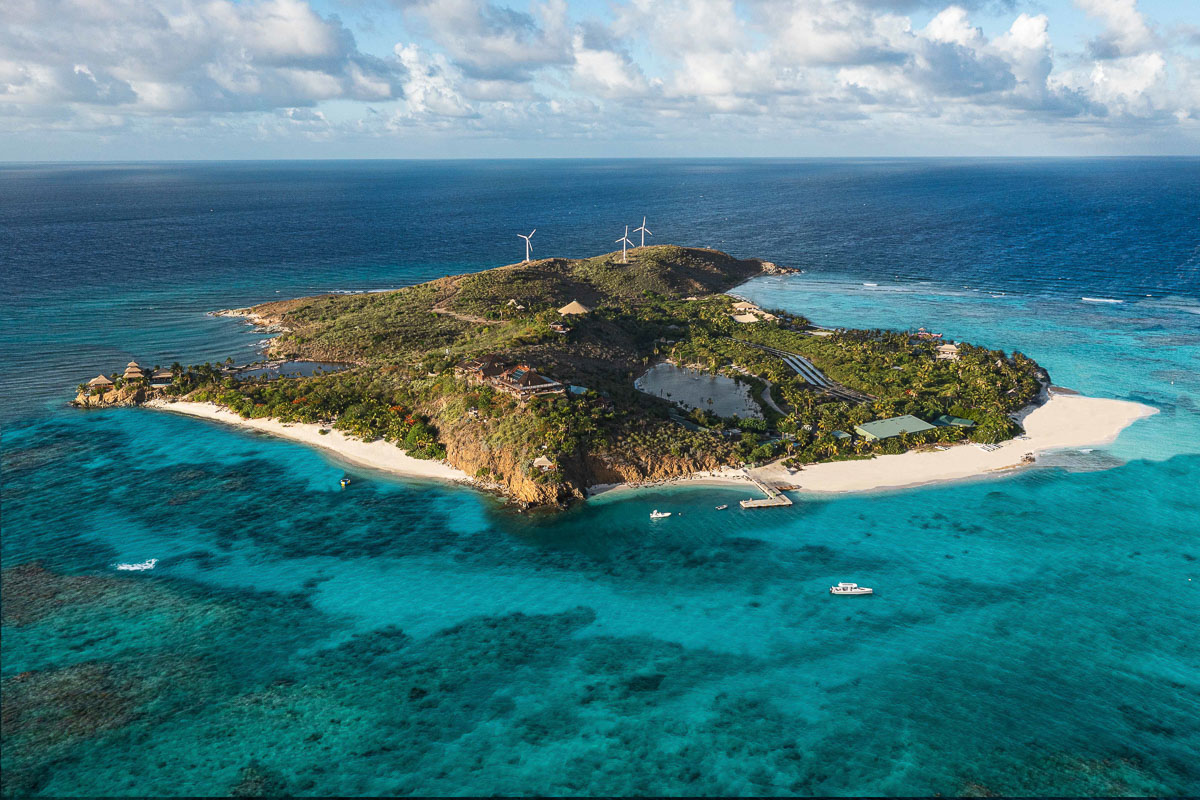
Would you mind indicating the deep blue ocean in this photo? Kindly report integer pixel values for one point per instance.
(1035, 634)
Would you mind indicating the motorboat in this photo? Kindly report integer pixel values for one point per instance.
(850, 588)
(141, 566)
(656, 514)
(345, 482)
(722, 507)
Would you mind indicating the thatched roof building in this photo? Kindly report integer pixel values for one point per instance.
(573, 307)
(100, 381)
(133, 371)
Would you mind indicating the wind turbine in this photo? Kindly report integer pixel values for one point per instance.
(645, 231)
(528, 244)
(624, 241)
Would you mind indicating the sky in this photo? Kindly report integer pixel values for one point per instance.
(237, 79)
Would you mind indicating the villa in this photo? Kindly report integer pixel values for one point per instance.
(947, 352)
(161, 378)
(479, 369)
(523, 381)
(948, 420)
(100, 382)
(134, 372)
(543, 463)
(894, 426)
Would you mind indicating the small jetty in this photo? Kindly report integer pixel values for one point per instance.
(774, 498)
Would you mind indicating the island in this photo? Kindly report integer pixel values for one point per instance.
(553, 379)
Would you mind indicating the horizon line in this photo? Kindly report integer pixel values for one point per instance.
(483, 159)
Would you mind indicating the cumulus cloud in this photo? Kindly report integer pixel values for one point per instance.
(532, 69)
(183, 56)
(496, 42)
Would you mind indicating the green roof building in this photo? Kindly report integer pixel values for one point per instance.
(946, 420)
(887, 428)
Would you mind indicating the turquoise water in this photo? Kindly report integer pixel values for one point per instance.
(1034, 634)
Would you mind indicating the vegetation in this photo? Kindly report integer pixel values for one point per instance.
(666, 303)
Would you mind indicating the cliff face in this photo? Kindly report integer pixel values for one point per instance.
(125, 396)
(509, 467)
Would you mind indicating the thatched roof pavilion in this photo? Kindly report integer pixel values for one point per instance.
(573, 307)
(100, 380)
(133, 370)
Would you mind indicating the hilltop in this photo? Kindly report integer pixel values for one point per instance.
(448, 312)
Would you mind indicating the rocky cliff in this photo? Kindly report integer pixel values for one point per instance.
(125, 396)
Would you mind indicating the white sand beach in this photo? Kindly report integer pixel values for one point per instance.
(378, 454)
(1064, 421)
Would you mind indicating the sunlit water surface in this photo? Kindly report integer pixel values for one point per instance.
(1033, 634)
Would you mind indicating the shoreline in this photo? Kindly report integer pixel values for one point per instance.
(1066, 420)
(379, 454)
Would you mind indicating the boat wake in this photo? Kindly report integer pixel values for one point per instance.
(141, 566)
(1100, 300)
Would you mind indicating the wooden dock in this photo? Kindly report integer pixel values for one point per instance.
(774, 498)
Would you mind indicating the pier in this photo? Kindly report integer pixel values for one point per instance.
(774, 498)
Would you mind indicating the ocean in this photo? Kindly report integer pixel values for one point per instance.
(1033, 634)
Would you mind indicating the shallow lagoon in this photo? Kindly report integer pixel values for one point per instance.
(692, 388)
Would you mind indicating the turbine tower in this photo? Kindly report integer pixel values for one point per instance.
(624, 242)
(528, 244)
(645, 231)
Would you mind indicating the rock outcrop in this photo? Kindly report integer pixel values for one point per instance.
(125, 396)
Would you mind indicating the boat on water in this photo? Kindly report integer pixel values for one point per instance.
(345, 482)
(850, 588)
(656, 514)
(141, 566)
(722, 507)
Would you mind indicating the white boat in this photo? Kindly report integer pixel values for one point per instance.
(656, 514)
(722, 507)
(139, 567)
(850, 588)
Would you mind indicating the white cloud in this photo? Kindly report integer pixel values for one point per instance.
(183, 56)
(668, 69)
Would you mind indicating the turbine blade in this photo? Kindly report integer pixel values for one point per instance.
(532, 232)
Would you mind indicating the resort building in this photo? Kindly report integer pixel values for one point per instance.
(572, 308)
(543, 463)
(947, 420)
(133, 372)
(479, 369)
(926, 336)
(100, 382)
(894, 426)
(161, 378)
(947, 352)
(523, 381)
(559, 328)
(749, 312)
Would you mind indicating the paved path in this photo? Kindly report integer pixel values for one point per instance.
(766, 396)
